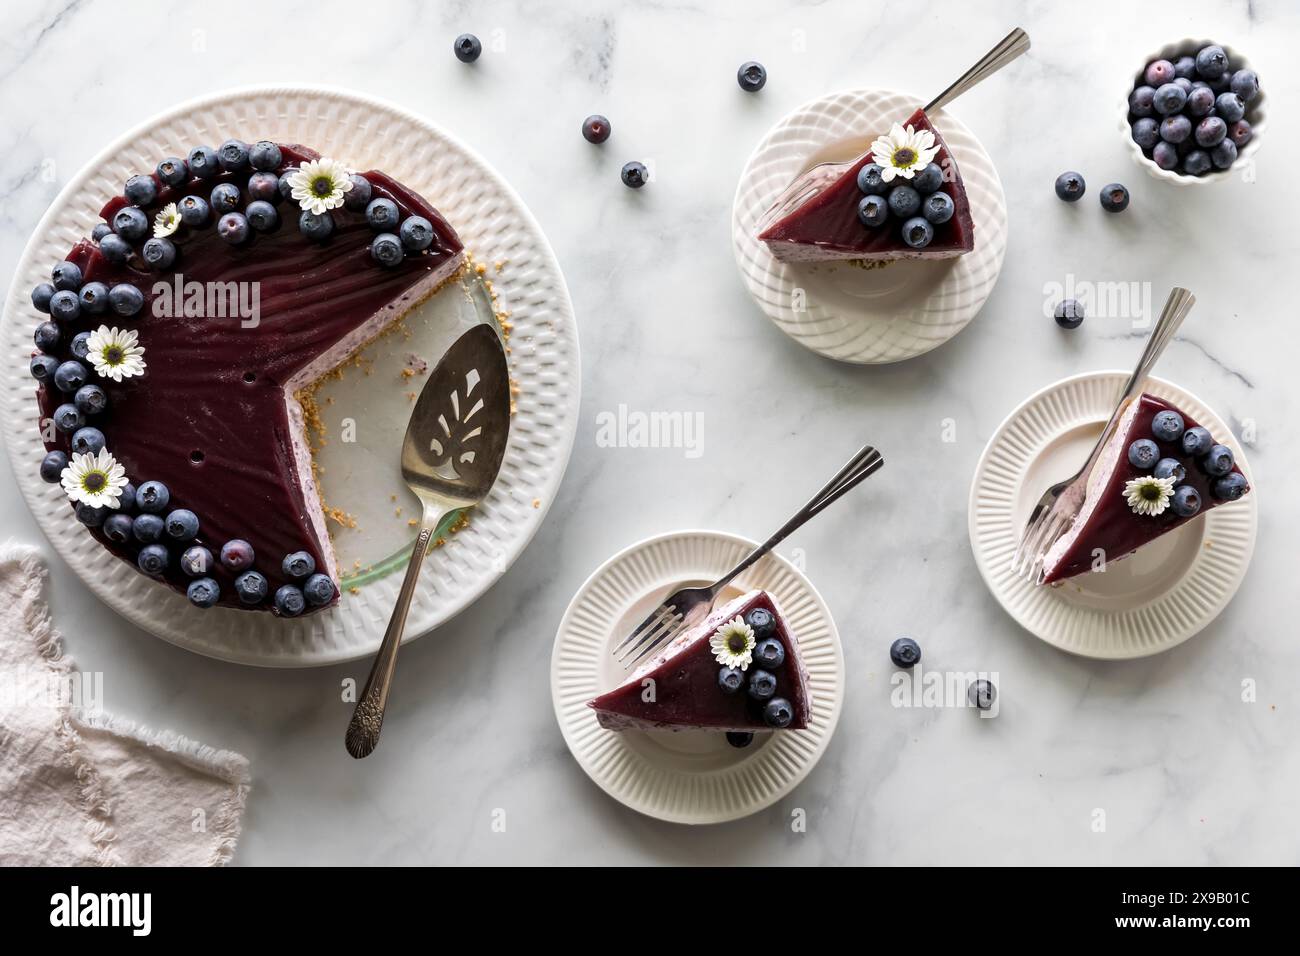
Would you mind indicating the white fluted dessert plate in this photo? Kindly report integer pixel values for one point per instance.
(689, 776)
(495, 227)
(1151, 601)
(840, 309)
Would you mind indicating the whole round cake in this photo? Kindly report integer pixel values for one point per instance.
(176, 342)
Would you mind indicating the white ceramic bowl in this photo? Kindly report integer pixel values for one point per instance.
(1255, 115)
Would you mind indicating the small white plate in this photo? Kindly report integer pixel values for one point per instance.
(841, 310)
(1142, 605)
(689, 776)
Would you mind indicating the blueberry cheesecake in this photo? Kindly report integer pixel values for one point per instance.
(738, 671)
(1160, 470)
(173, 346)
(902, 199)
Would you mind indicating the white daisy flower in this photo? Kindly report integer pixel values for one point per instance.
(1148, 495)
(167, 221)
(319, 185)
(733, 643)
(96, 479)
(115, 353)
(903, 152)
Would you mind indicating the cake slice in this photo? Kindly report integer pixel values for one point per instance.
(687, 686)
(817, 217)
(1160, 470)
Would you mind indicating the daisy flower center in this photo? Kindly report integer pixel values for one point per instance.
(736, 643)
(94, 481)
(1150, 491)
(322, 185)
(113, 355)
(904, 157)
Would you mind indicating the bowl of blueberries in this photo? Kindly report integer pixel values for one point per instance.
(1194, 111)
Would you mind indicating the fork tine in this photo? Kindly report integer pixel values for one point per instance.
(1032, 528)
(655, 614)
(667, 628)
(664, 614)
(1058, 527)
(1032, 542)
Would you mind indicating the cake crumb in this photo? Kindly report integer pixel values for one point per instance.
(413, 522)
(340, 516)
(537, 502)
(354, 590)
(397, 512)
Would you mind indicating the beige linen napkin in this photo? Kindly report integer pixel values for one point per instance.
(78, 787)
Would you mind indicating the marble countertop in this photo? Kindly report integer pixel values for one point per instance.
(1184, 769)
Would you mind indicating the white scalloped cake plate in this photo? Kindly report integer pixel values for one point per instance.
(494, 225)
(1153, 600)
(841, 310)
(689, 776)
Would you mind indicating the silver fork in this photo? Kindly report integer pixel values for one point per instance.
(687, 606)
(1060, 504)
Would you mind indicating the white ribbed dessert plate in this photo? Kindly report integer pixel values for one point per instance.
(1144, 604)
(841, 310)
(495, 226)
(689, 776)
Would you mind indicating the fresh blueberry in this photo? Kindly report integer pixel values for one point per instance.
(1210, 131)
(1114, 197)
(233, 155)
(92, 516)
(1146, 132)
(904, 201)
(1168, 425)
(67, 275)
(382, 214)
(1143, 454)
(126, 498)
(117, 528)
(762, 622)
(634, 175)
(937, 208)
(298, 565)
(172, 171)
(194, 211)
(870, 182)
(1141, 102)
(153, 558)
(1245, 83)
(289, 601)
(182, 525)
(1240, 133)
(315, 226)
(41, 296)
(125, 299)
(42, 367)
(52, 466)
(467, 47)
(778, 713)
(358, 197)
(1069, 313)
(203, 162)
(159, 253)
(917, 232)
(196, 561)
(1183, 83)
(928, 180)
(203, 592)
(386, 249)
(131, 223)
(762, 684)
(1224, 154)
(1218, 461)
(87, 440)
(152, 497)
(416, 233)
(751, 76)
(261, 215)
(68, 418)
(237, 554)
(1170, 468)
(115, 249)
(595, 129)
(1196, 162)
(65, 306)
(265, 156)
(1197, 441)
(873, 211)
(70, 376)
(1159, 73)
(982, 694)
(1186, 501)
(1230, 487)
(1211, 62)
(1175, 129)
(101, 230)
(769, 653)
(140, 190)
(251, 587)
(1200, 102)
(730, 679)
(233, 228)
(47, 336)
(224, 198)
(1230, 106)
(285, 184)
(148, 528)
(318, 590)
(740, 739)
(1169, 98)
(1185, 66)
(264, 186)
(905, 652)
(93, 298)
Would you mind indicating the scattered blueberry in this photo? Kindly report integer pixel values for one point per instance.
(905, 652)
(751, 76)
(1159, 73)
(289, 601)
(873, 211)
(172, 171)
(982, 694)
(1141, 102)
(115, 249)
(42, 367)
(1169, 98)
(416, 233)
(52, 466)
(265, 156)
(1200, 102)
(1114, 197)
(159, 253)
(358, 197)
(233, 227)
(928, 179)
(182, 525)
(237, 554)
(117, 528)
(203, 162)
(125, 299)
(65, 306)
(261, 215)
(1245, 83)
(467, 47)
(298, 565)
(739, 739)
(1218, 460)
(634, 175)
(87, 440)
(769, 653)
(1224, 154)
(41, 296)
(1230, 487)
(67, 275)
(1196, 162)
(596, 129)
(917, 232)
(196, 560)
(904, 201)
(1211, 131)
(70, 376)
(382, 214)
(1197, 441)
(264, 186)
(1186, 501)
(937, 208)
(1211, 61)
(386, 249)
(131, 223)
(93, 298)
(203, 592)
(1170, 468)
(152, 497)
(148, 528)
(870, 181)
(315, 226)
(140, 190)
(251, 587)
(194, 210)
(778, 713)
(153, 558)
(1175, 129)
(318, 590)
(762, 622)
(224, 198)
(762, 684)
(1143, 454)
(730, 679)
(47, 336)
(1168, 425)
(68, 418)
(1070, 185)
(233, 155)
(1068, 313)
(101, 230)
(92, 516)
